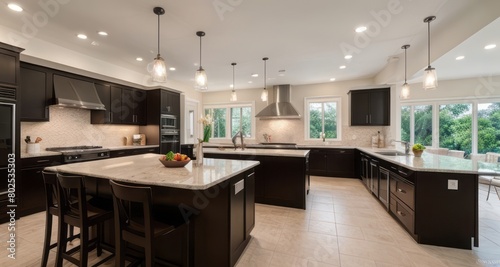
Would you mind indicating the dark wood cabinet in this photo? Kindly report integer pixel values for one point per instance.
(237, 213)
(9, 68)
(249, 202)
(374, 176)
(162, 101)
(332, 162)
(30, 183)
(124, 105)
(35, 92)
(370, 107)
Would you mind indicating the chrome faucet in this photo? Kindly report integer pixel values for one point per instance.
(240, 134)
(407, 146)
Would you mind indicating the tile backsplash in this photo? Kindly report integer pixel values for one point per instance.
(71, 127)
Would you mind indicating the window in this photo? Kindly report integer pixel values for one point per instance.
(229, 119)
(488, 124)
(455, 127)
(472, 125)
(323, 116)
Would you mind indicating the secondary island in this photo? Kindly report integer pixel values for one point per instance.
(217, 197)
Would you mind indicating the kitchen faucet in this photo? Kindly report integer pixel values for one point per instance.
(240, 134)
(407, 146)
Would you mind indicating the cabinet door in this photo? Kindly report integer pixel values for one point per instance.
(140, 107)
(383, 189)
(128, 106)
(102, 116)
(8, 68)
(379, 107)
(317, 162)
(32, 191)
(249, 202)
(374, 174)
(237, 211)
(33, 94)
(116, 104)
(340, 163)
(360, 108)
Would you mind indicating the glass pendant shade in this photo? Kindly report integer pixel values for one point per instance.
(158, 69)
(263, 96)
(405, 91)
(430, 79)
(233, 97)
(201, 79)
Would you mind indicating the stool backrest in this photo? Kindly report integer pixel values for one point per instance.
(126, 200)
(71, 186)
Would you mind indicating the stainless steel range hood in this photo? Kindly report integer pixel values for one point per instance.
(75, 93)
(281, 108)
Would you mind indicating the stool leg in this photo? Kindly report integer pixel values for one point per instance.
(84, 246)
(61, 242)
(48, 235)
(98, 240)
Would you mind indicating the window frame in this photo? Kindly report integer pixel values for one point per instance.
(323, 99)
(228, 107)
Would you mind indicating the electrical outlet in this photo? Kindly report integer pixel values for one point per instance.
(452, 184)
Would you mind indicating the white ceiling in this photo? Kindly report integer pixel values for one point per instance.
(303, 38)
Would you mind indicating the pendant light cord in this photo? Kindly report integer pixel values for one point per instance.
(200, 52)
(405, 63)
(429, 43)
(233, 75)
(158, 34)
(265, 74)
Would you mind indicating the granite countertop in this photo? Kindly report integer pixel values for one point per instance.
(436, 163)
(147, 169)
(259, 152)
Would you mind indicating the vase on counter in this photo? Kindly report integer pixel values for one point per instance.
(417, 153)
(199, 154)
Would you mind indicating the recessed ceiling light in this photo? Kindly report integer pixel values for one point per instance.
(82, 36)
(172, 68)
(459, 58)
(255, 75)
(361, 29)
(250, 82)
(15, 7)
(490, 46)
(342, 67)
(281, 74)
(231, 86)
(332, 79)
(102, 33)
(138, 58)
(348, 56)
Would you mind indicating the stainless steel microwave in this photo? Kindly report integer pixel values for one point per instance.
(168, 121)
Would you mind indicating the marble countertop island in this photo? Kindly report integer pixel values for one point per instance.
(147, 169)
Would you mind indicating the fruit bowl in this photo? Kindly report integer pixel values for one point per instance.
(174, 163)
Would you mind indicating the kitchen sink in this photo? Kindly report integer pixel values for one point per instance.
(391, 153)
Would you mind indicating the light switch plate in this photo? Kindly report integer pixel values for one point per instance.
(452, 184)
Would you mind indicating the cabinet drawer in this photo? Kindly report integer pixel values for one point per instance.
(41, 161)
(404, 191)
(404, 214)
(341, 151)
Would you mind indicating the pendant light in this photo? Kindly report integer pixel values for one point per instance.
(158, 68)
(200, 77)
(233, 93)
(264, 94)
(430, 77)
(405, 90)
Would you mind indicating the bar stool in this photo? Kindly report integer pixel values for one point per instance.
(82, 214)
(142, 229)
(51, 209)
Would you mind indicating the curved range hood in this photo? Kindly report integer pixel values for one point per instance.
(74, 93)
(281, 108)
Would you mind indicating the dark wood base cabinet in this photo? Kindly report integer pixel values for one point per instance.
(281, 181)
(422, 203)
(332, 162)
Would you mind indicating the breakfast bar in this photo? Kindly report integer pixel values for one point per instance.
(217, 197)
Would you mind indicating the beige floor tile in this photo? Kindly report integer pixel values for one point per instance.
(281, 260)
(324, 216)
(352, 261)
(323, 227)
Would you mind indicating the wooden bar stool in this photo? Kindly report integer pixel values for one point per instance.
(51, 209)
(82, 214)
(142, 228)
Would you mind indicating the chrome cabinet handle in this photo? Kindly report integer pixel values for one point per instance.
(42, 160)
(251, 174)
(401, 191)
(401, 214)
(403, 173)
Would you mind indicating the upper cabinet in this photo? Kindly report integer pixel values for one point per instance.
(124, 105)
(9, 70)
(162, 101)
(370, 107)
(35, 92)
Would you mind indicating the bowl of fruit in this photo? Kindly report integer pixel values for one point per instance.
(174, 160)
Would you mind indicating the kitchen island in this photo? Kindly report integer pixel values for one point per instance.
(281, 178)
(217, 197)
(434, 197)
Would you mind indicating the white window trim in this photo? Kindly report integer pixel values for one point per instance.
(228, 107)
(435, 116)
(336, 99)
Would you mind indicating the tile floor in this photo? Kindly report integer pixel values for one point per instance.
(342, 226)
